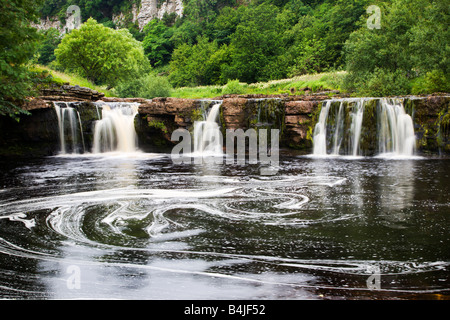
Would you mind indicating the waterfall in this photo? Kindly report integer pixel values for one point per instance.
(396, 129)
(207, 134)
(320, 131)
(356, 128)
(70, 128)
(338, 134)
(364, 126)
(115, 131)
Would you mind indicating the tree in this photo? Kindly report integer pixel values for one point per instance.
(18, 44)
(101, 54)
(256, 45)
(413, 42)
(200, 64)
(46, 50)
(157, 43)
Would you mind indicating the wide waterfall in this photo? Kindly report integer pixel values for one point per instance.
(115, 131)
(207, 134)
(364, 127)
(70, 129)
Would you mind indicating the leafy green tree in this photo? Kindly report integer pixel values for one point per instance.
(430, 38)
(100, 10)
(46, 50)
(226, 23)
(412, 42)
(256, 45)
(200, 64)
(101, 54)
(18, 44)
(307, 57)
(157, 43)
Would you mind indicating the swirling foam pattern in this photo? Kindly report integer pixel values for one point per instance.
(140, 227)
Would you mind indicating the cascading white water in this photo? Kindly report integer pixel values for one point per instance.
(320, 131)
(394, 128)
(70, 128)
(339, 130)
(115, 131)
(207, 134)
(357, 119)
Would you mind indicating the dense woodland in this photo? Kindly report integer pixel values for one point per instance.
(218, 41)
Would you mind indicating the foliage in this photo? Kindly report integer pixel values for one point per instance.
(60, 77)
(433, 81)
(412, 41)
(100, 10)
(322, 81)
(46, 50)
(198, 64)
(148, 87)
(157, 44)
(18, 44)
(255, 45)
(101, 54)
(233, 87)
(261, 40)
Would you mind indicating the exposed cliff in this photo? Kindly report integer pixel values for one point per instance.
(141, 14)
(151, 9)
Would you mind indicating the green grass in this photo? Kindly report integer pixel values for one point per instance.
(72, 79)
(316, 82)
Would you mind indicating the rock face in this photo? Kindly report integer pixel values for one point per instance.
(35, 135)
(293, 118)
(70, 93)
(151, 9)
(159, 117)
(299, 122)
(431, 117)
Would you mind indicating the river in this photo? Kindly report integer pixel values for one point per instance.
(137, 226)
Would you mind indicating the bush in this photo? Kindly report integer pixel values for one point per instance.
(385, 83)
(434, 81)
(233, 87)
(148, 87)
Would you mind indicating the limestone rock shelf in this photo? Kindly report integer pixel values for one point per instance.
(295, 116)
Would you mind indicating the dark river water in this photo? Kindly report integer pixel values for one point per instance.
(140, 227)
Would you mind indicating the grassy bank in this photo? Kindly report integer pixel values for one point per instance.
(313, 83)
(74, 80)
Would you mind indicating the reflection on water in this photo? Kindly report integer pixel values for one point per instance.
(138, 227)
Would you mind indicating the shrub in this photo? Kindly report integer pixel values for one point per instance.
(233, 87)
(384, 83)
(148, 87)
(434, 81)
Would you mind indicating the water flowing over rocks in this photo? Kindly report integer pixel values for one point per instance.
(295, 116)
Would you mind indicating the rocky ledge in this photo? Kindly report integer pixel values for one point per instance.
(70, 93)
(294, 115)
